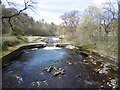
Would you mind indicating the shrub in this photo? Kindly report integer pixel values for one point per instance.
(9, 41)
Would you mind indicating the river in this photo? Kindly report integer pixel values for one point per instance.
(52, 67)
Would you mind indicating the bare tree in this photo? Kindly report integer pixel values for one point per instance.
(27, 5)
(109, 15)
(71, 20)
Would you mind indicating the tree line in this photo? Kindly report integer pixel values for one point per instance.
(25, 25)
(95, 29)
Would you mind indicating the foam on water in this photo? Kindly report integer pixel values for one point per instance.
(50, 48)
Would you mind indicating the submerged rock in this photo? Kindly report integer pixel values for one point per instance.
(57, 60)
(105, 68)
(49, 69)
(20, 79)
(113, 83)
(62, 71)
(87, 82)
(69, 63)
(38, 83)
(59, 71)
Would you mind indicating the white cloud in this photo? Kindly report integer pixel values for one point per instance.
(47, 16)
(50, 10)
(100, 2)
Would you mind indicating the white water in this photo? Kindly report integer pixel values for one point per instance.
(50, 48)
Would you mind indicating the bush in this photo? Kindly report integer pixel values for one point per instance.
(22, 39)
(9, 41)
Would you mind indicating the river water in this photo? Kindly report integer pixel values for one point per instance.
(49, 67)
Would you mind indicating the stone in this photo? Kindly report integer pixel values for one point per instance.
(56, 60)
(49, 69)
(62, 71)
(69, 63)
(20, 79)
(70, 47)
(58, 71)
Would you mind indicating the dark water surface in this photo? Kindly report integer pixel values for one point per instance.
(29, 69)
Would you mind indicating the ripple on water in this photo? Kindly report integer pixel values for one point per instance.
(27, 70)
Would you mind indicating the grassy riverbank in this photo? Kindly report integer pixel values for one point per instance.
(11, 43)
(109, 48)
(9, 50)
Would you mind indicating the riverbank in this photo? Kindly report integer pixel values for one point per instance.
(30, 40)
(11, 49)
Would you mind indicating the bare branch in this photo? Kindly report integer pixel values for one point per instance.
(8, 2)
(26, 6)
(109, 15)
(9, 20)
(110, 8)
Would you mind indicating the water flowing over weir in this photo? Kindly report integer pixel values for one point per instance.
(54, 67)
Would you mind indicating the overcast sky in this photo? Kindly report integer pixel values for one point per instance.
(50, 10)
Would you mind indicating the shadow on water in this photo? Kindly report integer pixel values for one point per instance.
(49, 67)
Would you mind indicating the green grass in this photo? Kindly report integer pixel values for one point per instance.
(7, 51)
